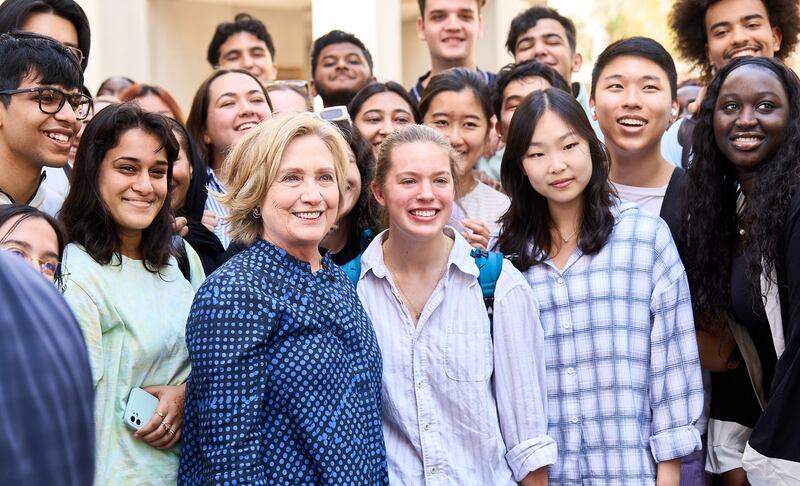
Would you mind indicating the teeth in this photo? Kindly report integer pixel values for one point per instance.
(747, 139)
(246, 126)
(632, 122)
(424, 214)
(309, 215)
(58, 137)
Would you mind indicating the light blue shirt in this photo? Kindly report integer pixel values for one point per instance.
(624, 385)
(462, 404)
(216, 186)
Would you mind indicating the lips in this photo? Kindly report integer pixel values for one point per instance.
(632, 121)
(245, 126)
(562, 183)
(309, 215)
(139, 203)
(743, 51)
(424, 213)
(59, 136)
(746, 142)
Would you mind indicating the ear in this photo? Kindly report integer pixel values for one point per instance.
(777, 37)
(420, 29)
(675, 111)
(592, 110)
(577, 62)
(312, 88)
(377, 193)
(206, 138)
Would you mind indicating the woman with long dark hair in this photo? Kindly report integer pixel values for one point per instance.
(126, 288)
(34, 236)
(623, 376)
(742, 260)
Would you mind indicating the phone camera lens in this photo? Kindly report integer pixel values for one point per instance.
(133, 419)
(138, 422)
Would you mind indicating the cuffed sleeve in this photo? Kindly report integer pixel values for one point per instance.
(520, 375)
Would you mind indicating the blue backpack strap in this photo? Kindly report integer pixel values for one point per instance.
(490, 265)
(353, 267)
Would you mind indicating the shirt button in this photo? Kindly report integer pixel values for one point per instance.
(574, 420)
(426, 427)
(419, 384)
(560, 280)
(566, 325)
(570, 371)
(433, 470)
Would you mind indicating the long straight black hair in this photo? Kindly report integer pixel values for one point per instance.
(526, 225)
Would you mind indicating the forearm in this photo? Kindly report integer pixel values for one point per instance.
(668, 473)
(535, 478)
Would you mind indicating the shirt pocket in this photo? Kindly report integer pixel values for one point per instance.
(468, 351)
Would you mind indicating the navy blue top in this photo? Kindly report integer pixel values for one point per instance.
(286, 377)
(46, 394)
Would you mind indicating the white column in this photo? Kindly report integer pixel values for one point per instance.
(376, 22)
(120, 40)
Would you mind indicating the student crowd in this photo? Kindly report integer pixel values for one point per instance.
(490, 278)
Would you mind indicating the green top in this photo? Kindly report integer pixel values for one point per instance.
(134, 324)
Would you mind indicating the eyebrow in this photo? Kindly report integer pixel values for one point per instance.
(646, 77)
(442, 113)
(411, 172)
(23, 244)
(137, 161)
(234, 94)
(741, 20)
(559, 139)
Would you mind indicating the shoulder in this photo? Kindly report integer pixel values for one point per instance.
(510, 280)
(77, 263)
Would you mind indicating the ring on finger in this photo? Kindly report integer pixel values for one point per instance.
(170, 431)
(167, 426)
(161, 414)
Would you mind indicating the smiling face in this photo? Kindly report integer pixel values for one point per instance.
(181, 177)
(243, 50)
(513, 94)
(633, 105)
(236, 104)
(34, 240)
(450, 28)
(750, 117)
(352, 187)
(302, 203)
(132, 182)
(380, 115)
(547, 43)
(459, 117)
(342, 69)
(558, 163)
(739, 28)
(34, 139)
(418, 192)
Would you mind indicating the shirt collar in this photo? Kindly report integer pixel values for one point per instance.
(38, 195)
(372, 259)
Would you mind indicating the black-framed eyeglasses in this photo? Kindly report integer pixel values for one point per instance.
(51, 100)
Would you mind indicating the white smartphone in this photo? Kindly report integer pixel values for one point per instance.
(140, 409)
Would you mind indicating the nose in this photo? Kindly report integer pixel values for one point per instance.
(451, 22)
(67, 114)
(310, 194)
(247, 61)
(739, 35)
(745, 118)
(386, 127)
(539, 50)
(453, 136)
(632, 98)
(425, 190)
(557, 164)
(142, 183)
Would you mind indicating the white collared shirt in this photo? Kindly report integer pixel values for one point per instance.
(462, 403)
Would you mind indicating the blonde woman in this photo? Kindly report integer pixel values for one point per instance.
(286, 371)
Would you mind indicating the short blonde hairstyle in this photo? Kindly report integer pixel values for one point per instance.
(253, 162)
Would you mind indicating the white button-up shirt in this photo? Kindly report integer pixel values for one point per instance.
(462, 403)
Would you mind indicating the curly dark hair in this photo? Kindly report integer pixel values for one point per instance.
(527, 223)
(84, 214)
(243, 22)
(687, 21)
(713, 189)
(525, 69)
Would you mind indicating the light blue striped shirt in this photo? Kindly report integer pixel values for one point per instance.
(221, 230)
(623, 376)
(461, 404)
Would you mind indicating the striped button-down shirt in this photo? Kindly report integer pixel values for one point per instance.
(215, 185)
(623, 376)
(461, 404)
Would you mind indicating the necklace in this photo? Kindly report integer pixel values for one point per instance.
(566, 240)
(417, 313)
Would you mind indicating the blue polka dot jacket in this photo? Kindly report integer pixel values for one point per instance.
(285, 380)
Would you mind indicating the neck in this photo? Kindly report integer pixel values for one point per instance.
(438, 66)
(417, 256)
(466, 184)
(566, 218)
(641, 169)
(217, 158)
(336, 239)
(130, 242)
(18, 179)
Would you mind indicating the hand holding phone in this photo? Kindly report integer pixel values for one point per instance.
(140, 409)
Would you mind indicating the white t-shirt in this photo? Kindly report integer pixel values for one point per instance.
(484, 204)
(649, 198)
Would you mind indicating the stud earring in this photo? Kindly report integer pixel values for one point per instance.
(674, 112)
(593, 112)
(256, 213)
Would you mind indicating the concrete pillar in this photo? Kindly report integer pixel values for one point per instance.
(376, 22)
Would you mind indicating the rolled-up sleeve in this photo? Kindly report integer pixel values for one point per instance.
(676, 386)
(224, 409)
(520, 375)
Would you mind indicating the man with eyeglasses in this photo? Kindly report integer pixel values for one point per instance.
(41, 107)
